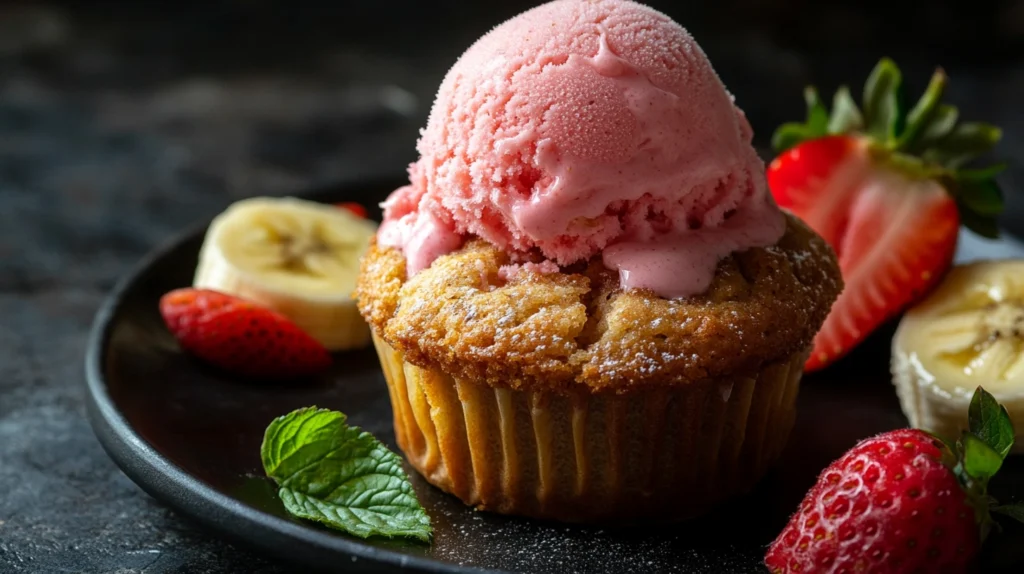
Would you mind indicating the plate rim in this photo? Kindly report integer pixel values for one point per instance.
(188, 495)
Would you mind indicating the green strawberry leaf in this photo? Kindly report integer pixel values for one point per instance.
(882, 102)
(920, 116)
(1014, 511)
(817, 115)
(981, 197)
(981, 174)
(341, 476)
(845, 116)
(914, 166)
(789, 135)
(989, 421)
(943, 120)
(980, 461)
(983, 225)
(964, 143)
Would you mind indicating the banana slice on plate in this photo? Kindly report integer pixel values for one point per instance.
(297, 257)
(969, 332)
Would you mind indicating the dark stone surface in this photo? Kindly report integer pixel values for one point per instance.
(122, 123)
(100, 162)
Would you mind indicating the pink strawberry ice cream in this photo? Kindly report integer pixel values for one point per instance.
(585, 128)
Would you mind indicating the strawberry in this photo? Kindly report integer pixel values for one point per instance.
(887, 190)
(240, 336)
(902, 501)
(354, 207)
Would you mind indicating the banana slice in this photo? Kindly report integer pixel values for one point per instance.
(297, 257)
(968, 332)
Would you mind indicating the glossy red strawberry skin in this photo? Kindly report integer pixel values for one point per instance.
(895, 236)
(887, 506)
(241, 337)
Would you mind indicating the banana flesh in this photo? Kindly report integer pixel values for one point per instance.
(969, 332)
(297, 257)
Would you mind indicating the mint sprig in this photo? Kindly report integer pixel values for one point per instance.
(341, 476)
(927, 141)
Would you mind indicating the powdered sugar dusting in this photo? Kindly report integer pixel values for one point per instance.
(507, 544)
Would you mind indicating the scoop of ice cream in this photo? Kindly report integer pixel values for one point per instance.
(578, 128)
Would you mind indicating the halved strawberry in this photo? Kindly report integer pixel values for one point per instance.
(240, 336)
(887, 191)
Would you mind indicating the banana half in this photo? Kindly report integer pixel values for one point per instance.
(968, 332)
(297, 257)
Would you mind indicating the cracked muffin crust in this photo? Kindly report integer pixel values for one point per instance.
(468, 316)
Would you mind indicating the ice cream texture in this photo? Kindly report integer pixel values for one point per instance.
(586, 128)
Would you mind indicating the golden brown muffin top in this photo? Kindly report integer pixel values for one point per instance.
(578, 329)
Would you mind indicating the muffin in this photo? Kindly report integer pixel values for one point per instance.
(586, 304)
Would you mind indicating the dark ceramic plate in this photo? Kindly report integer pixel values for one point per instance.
(191, 437)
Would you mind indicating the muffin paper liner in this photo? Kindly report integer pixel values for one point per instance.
(655, 454)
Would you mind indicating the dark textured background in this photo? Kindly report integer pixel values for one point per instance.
(121, 123)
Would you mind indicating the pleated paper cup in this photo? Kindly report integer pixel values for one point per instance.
(655, 454)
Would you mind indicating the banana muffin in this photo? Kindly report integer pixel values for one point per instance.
(562, 396)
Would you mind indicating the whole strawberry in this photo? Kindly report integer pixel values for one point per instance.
(886, 186)
(240, 336)
(900, 502)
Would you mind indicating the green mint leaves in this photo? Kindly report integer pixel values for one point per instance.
(925, 141)
(341, 476)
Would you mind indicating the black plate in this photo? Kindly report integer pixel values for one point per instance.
(191, 437)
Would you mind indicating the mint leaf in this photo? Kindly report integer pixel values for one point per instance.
(989, 421)
(980, 461)
(882, 101)
(845, 117)
(1014, 511)
(341, 476)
